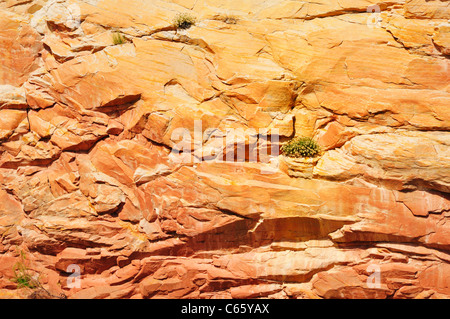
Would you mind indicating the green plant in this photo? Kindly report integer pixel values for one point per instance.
(118, 38)
(183, 21)
(22, 275)
(301, 147)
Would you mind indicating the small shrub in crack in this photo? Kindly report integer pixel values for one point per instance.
(301, 147)
(183, 21)
(22, 275)
(118, 38)
(24, 279)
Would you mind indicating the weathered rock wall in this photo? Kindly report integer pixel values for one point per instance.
(88, 176)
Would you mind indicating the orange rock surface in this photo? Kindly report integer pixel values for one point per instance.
(94, 196)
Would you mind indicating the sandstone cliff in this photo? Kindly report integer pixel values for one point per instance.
(89, 180)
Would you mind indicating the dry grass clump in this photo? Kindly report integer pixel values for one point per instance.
(183, 21)
(227, 18)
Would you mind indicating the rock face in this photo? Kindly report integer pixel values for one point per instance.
(97, 196)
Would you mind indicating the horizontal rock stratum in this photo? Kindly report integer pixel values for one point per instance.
(96, 202)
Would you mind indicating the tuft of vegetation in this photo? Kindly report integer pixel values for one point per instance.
(301, 147)
(24, 278)
(227, 18)
(22, 275)
(118, 38)
(183, 21)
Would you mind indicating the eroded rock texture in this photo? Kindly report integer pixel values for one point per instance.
(88, 176)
